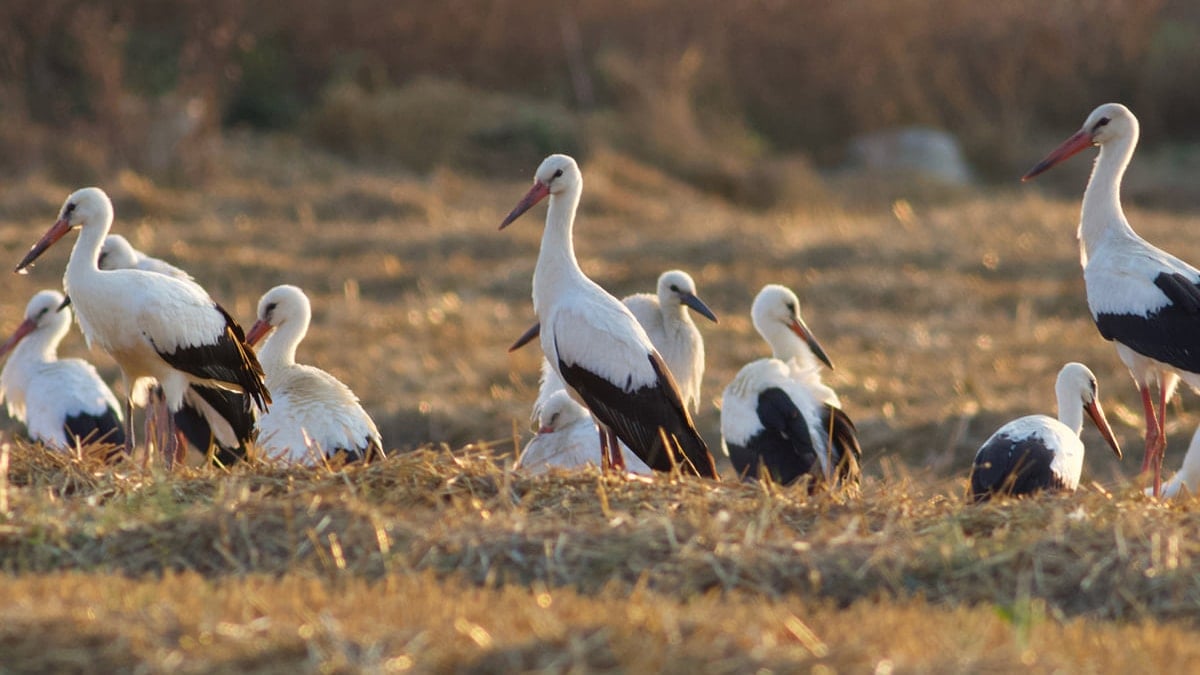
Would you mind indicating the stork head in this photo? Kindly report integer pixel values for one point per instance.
(45, 312)
(676, 288)
(1076, 381)
(776, 312)
(88, 207)
(116, 253)
(1107, 123)
(281, 306)
(556, 175)
(558, 412)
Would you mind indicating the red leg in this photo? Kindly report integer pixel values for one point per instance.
(1160, 451)
(614, 447)
(1153, 430)
(605, 460)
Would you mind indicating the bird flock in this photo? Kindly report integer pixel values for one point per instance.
(620, 379)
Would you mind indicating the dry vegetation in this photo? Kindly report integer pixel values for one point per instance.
(943, 318)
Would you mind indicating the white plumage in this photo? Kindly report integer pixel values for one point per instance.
(49, 394)
(1037, 452)
(154, 326)
(669, 326)
(567, 438)
(313, 413)
(777, 414)
(611, 365)
(116, 253)
(1141, 297)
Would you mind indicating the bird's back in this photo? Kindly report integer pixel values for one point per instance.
(1027, 455)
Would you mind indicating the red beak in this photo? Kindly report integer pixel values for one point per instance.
(52, 235)
(1081, 140)
(1097, 414)
(545, 430)
(537, 193)
(805, 334)
(27, 326)
(257, 332)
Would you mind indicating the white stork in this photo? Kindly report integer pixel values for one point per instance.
(116, 253)
(669, 325)
(211, 418)
(154, 326)
(777, 415)
(1037, 452)
(62, 402)
(314, 415)
(1141, 297)
(597, 346)
(567, 439)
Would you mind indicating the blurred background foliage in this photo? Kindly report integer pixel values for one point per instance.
(726, 94)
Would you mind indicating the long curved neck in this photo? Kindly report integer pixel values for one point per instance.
(1070, 411)
(1102, 216)
(40, 346)
(279, 350)
(556, 264)
(85, 255)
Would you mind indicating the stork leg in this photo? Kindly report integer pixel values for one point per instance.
(616, 459)
(605, 460)
(1156, 438)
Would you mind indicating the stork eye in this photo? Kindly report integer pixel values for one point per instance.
(70, 209)
(674, 288)
(554, 419)
(1103, 122)
(557, 174)
(791, 307)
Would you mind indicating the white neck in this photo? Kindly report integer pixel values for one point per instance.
(1070, 410)
(1102, 216)
(557, 267)
(279, 349)
(787, 346)
(85, 255)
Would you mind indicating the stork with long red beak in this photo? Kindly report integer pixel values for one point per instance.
(62, 402)
(1142, 298)
(777, 416)
(152, 325)
(1037, 452)
(594, 343)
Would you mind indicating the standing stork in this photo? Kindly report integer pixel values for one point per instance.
(314, 414)
(596, 345)
(62, 402)
(670, 328)
(567, 439)
(152, 325)
(777, 415)
(211, 418)
(1037, 452)
(1142, 298)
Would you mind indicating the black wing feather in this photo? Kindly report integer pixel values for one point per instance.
(1014, 467)
(228, 360)
(1170, 335)
(106, 427)
(638, 416)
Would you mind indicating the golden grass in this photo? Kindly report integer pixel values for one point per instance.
(449, 561)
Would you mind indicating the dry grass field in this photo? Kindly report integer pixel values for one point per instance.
(945, 315)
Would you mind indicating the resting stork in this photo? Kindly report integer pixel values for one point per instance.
(62, 402)
(777, 415)
(1037, 452)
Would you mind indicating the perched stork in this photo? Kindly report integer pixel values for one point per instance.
(1037, 452)
(596, 345)
(1141, 297)
(211, 418)
(153, 325)
(669, 325)
(1188, 477)
(777, 415)
(567, 439)
(62, 402)
(314, 415)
